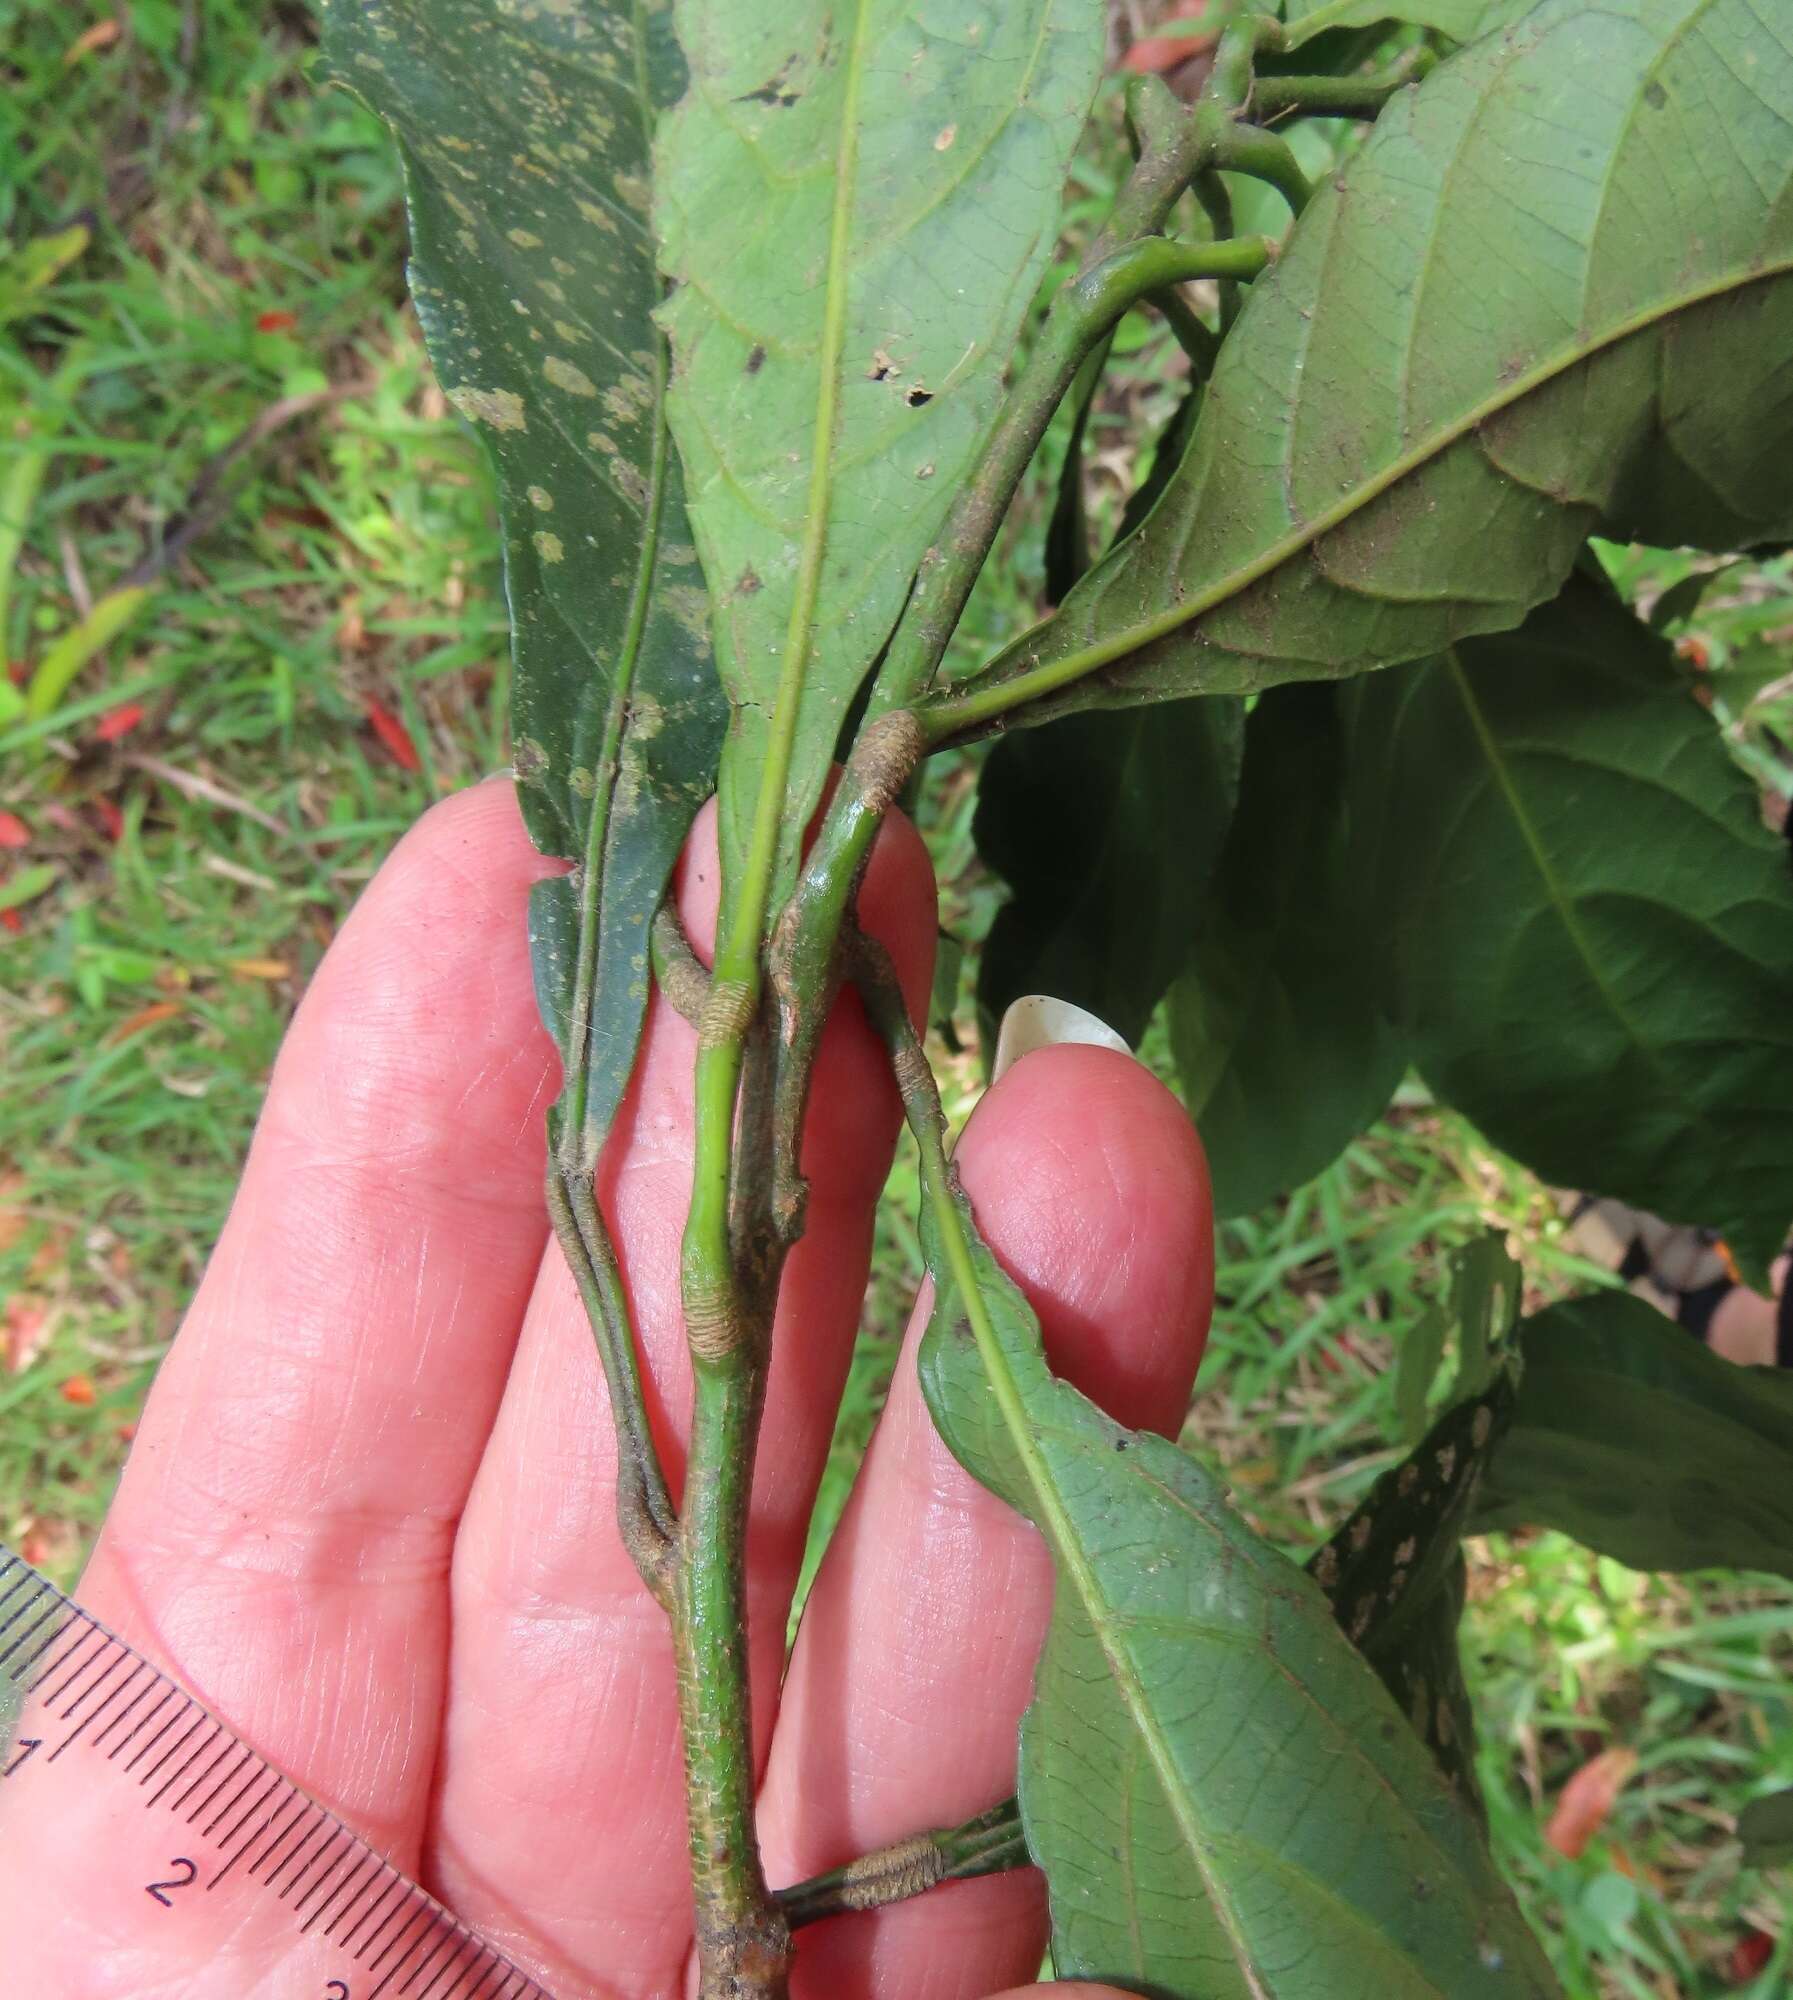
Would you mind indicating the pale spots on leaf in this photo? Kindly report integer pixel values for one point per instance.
(583, 781)
(501, 408)
(567, 330)
(689, 603)
(566, 270)
(680, 554)
(602, 441)
(565, 376)
(524, 239)
(529, 761)
(548, 547)
(628, 398)
(633, 190)
(630, 480)
(541, 499)
(600, 217)
(944, 137)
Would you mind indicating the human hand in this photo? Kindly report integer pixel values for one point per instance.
(368, 1517)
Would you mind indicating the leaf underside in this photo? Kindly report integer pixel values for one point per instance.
(1462, 20)
(1282, 1044)
(1105, 829)
(525, 139)
(1224, 1798)
(1394, 1574)
(857, 203)
(1639, 1441)
(1442, 389)
(1586, 931)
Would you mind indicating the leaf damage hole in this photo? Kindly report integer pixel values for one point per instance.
(917, 396)
(756, 360)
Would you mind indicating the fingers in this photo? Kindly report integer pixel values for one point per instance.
(918, 1644)
(562, 1830)
(282, 1533)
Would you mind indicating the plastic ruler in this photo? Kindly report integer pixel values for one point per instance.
(167, 1839)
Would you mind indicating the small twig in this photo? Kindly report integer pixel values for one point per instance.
(1248, 149)
(986, 1845)
(645, 1514)
(207, 497)
(678, 971)
(206, 791)
(1341, 96)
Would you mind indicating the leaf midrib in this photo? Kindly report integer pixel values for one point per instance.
(1674, 1089)
(1047, 678)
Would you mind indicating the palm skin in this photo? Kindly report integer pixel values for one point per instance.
(368, 1514)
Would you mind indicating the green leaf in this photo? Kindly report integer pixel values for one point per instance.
(1765, 1827)
(1105, 829)
(28, 269)
(1636, 1439)
(1462, 20)
(25, 885)
(1502, 327)
(1224, 1798)
(1587, 929)
(525, 139)
(1279, 1032)
(1394, 1574)
(857, 204)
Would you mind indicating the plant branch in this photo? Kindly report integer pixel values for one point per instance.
(678, 971)
(1341, 96)
(644, 1510)
(987, 1845)
(1266, 156)
(1083, 311)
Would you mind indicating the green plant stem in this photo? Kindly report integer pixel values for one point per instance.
(1175, 147)
(1083, 311)
(678, 971)
(987, 1845)
(1340, 96)
(645, 1515)
(1247, 149)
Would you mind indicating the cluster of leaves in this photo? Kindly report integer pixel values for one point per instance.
(733, 307)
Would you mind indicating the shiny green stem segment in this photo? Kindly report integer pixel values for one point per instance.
(987, 1845)
(743, 1943)
(1244, 149)
(1340, 96)
(1176, 147)
(1080, 315)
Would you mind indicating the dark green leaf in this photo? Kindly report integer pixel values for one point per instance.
(1067, 549)
(1639, 1441)
(1277, 1023)
(1394, 1573)
(1105, 829)
(857, 205)
(1225, 1800)
(1765, 1827)
(1503, 326)
(1681, 600)
(1588, 931)
(525, 138)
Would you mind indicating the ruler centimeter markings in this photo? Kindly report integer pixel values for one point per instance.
(77, 1691)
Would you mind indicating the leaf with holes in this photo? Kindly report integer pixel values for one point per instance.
(1283, 1045)
(1550, 813)
(1395, 1575)
(525, 136)
(856, 205)
(1105, 828)
(1441, 390)
(1643, 1444)
(1224, 1798)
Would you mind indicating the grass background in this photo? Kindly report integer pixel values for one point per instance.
(188, 825)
